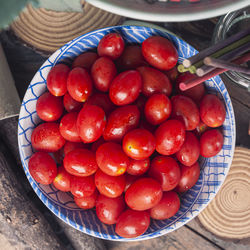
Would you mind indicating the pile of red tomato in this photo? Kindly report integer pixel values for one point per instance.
(124, 146)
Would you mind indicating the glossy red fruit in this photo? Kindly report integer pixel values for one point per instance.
(102, 100)
(166, 171)
(90, 123)
(49, 108)
(195, 93)
(70, 146)
(159, 52)
(185, 110)
(121, 121)
(62, 180)
(131, 58)
(212, 111)
(79, 84)
(68, 127)
(211, 143)
(154, 81)
(190, 150)
(169, 137)
(143, 194)
(86, 202)
(157, 109)
(138, 167)
(125, 88)
(140, 102)
(82, 186)
(109, 209)
(132, 223)
(103, 72)
(42, 168)
(139, 144)
(172, 74)
(47, 137)
(95, 145)
(111, 159)
(168, 206)
(110, 186)
(80, 162)
(130, 179)
(70, 104)
(189, 177)
(201, 128)
(111, 45)
(85, 60)
(57, 80)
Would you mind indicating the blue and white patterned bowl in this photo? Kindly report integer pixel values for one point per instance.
(213, 170)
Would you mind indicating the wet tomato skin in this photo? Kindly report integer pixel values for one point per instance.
(111, 45)
(129, 180)
(86, 202)
(132, 223)
(143, 194)
(167, 207)
(138, 144)
(125, 88)
(159, 52)
(169, 137)
(211, 143)
(70, 104)
(166, 171)
(85, 60)
(42, 168)
(70, 146)
(80, 162)
(49, 107)
(109, 209)
(46, 137)
(79, 84)
(138, 167)
(111, 159)
(57, 80)
(62, 180)
(121, 121)
(110, 186)
(90, 123)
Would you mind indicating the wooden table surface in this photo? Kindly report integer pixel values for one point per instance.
(54, 234)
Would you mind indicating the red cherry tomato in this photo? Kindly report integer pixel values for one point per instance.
(212, 111)
(201, 128)
(70, 146)
(169, 137)
(132, 223)
(42, 168)
(157, 109)
(47, 137)
(49, 108)
(109, 209)
(130, 179)
(95, 145)
(103, 72)
(168, 206)
(111, 45)
(143, 194)
(211, 143)
(57, 80)
(125, 88)
(195, 93)
(140, 103)
(90, 123)
(131, 58)
(111, 159)
(80, 162)
(166, 171)
(79, 84)
(139, 144)
(172, 74)
(86, 202)
(70, 104)
(121, 121)
(190, 150)
(68, 127)
(154, 81)
(138, 167)
(82, 186)
(85, 60)
(110, 186)
(62, 180)
(159, 52)
(189, 177)
(102, 100)
(185, 110)
(58, 156)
